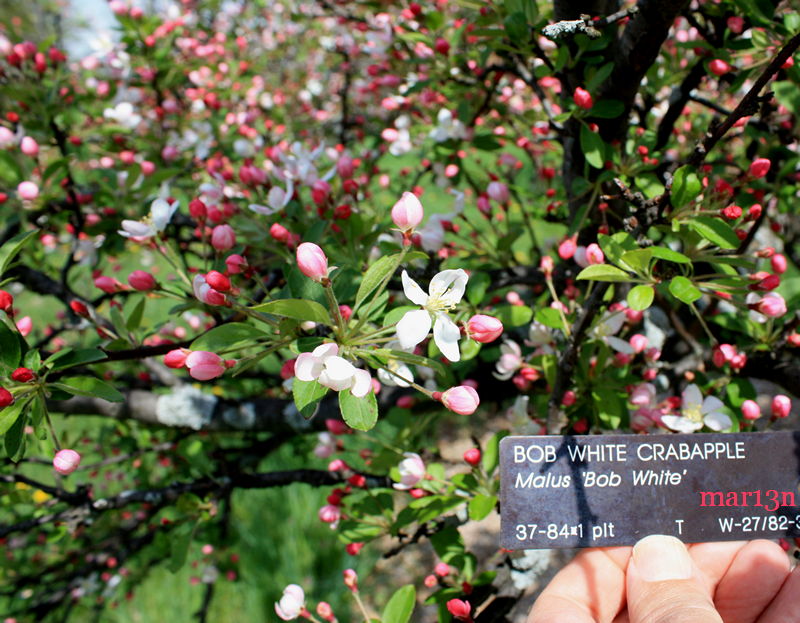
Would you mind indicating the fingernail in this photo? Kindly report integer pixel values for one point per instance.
(658, 558)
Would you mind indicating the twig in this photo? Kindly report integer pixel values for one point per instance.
(586, 25)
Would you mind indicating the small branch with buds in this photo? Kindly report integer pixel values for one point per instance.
(586, 25)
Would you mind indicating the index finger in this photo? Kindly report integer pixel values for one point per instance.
(590, 589)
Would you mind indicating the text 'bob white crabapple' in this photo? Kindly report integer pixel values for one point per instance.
(445, 292)
(325, 366)
(153, 224)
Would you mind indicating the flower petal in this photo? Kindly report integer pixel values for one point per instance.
(449, 285)
(446, 335)
(362, 383)
(691, 398)
(717, 421)
(413, 292)
(328, 349)
(337, 373)
(307, 367)
(619, 345)
(680, 424)
(413, 328)
(711, 404)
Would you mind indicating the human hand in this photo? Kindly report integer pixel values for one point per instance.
(660, 580)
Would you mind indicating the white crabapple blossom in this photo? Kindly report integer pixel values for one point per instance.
(325, 366)
(412, 470)
(397, 373)
(124, 114)
(444, 293)
(277, 199)
(510, 360)
(696, 412)
(292, 603)
(606, 329)
(161, 212)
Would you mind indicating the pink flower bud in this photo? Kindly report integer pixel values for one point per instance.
(109, 285)
(6, 398)
(66, 461)
(546, 265)
(772, 305)
(459, 609)
(594, 254)
(204, 366)
(350, 579)
(759, 168)
(345, 167)
(176, 358)
(28, 190)
(223, 238)
(430, 581)
(23, 375)
(329, 513)
(498, 192)
(142, 281)
(567, 248)
(312, 262)
(235, 263)
(472, 456)
(778, 262)
(484, 329)
(735, 24)
(718, 67)
(569, 398)
(279, 233)
(29, 146)
(582, 98)
(781, 406)
(767, 283)
(324, 608)
(6, 301)
(462, 399)
(441, 569)
(218, 281)
(638, 342)
(751, 410)
(24, 325)
(407, 213)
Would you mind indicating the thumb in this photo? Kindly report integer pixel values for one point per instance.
(664, 586)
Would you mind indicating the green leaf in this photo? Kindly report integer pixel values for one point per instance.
(684, 290)
(593, 147)
(89, 386)
(549, 317)
(737, 390)
(15, 438)
(67, 358)
(478, 285)
(514, 315)
(715, 231)
(400, 606)
(491, 453)
(663, 253)
(516, 26)
(10, 415)
(486, 142)
(227, 336)
(637, 260)
(375, 275)
(299, 309)
(10, 350)
(607, 109)
(480, 506)
(180, 540)
(685, 186)
(609, 407)
(135, 317)
(306, 396)
(603, 272)
(526, 7)
(641, 297)
(358, 413)
(14, 245)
